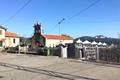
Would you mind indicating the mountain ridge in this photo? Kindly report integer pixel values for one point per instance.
(99, 38)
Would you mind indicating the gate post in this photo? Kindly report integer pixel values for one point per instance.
(97, 55)
(63, 52)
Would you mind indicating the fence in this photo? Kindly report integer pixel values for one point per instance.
(110, 54)
(55, 51)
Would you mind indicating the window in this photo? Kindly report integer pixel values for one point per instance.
(1, 43)
(0, 32)
(13, 40)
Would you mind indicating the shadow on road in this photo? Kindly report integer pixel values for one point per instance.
(46, 72)
(1, 76)
(97, 63)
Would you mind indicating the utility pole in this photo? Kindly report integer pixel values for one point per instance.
(59, 28)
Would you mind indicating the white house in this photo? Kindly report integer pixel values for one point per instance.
(54, 40)
(2, 37)
(8, 39)
(11, 39)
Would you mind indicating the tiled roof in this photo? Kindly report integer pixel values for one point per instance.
(57, 37)
(11, 34)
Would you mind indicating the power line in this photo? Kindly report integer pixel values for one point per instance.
(17, 12)
(61, 21)
(89, 6)
(53, 28)
(57, 25)
(103, 21)
(60, 29)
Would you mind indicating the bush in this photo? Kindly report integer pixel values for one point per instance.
(55, 51)
(42, 51)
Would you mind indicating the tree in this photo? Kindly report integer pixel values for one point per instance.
(66, 35)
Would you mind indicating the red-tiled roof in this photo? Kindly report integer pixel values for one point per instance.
(57, 37)
(11, 34)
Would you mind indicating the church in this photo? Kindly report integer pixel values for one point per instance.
(49, 40)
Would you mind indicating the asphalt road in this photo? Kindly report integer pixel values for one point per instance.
(34, 67)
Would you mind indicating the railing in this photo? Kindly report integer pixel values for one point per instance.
(110, 55)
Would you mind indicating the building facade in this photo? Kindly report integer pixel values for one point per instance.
(2, 37)
(11, 39)
(8, 39)
(54, 40)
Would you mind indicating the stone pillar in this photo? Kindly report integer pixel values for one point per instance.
(80, 54)
(84, 51)
(19, 49)
(76, 52)
(64, 52)
(97, 55)
(48, 52)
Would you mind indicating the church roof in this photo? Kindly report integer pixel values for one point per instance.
(57, 37)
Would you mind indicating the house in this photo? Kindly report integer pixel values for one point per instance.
(11, 39)
(8, 39)
(2, 37)
(54, 40)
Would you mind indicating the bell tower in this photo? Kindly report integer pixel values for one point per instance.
(37, 29)
(38, 38)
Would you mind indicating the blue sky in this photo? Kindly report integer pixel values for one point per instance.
(101, 19)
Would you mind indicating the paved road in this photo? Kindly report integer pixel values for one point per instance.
(33, 67)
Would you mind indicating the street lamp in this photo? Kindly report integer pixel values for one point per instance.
(59, 28)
